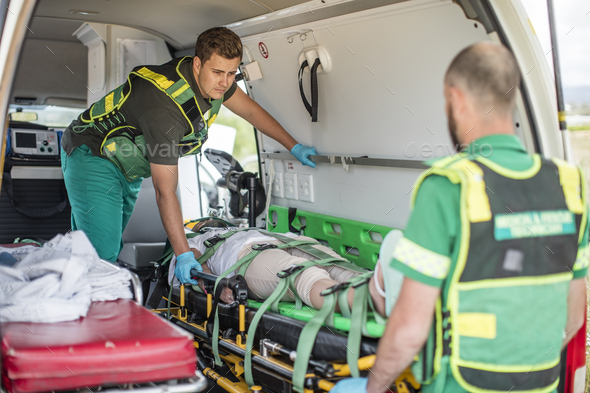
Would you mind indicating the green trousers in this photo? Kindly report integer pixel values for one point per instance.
(102, 199)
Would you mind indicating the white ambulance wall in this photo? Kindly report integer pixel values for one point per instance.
(161, 54)
(382, 99)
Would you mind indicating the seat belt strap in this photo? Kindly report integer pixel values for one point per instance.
(314, 90)
(312, 108)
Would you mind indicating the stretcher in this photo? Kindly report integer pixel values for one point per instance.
(277, 360)
(119, 345)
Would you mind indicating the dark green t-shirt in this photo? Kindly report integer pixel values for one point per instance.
(154, 115)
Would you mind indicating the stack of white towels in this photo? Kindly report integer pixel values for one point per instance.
(59, 281)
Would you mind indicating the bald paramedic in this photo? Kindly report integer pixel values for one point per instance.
(494, 254)
(141, 128)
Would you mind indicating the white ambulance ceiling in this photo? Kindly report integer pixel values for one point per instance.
(53, 63)
(176, 21)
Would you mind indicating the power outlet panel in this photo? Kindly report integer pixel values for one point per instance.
(278, 189)
(305, 187)
(290, 185)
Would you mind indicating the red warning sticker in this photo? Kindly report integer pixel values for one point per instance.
(263, 50)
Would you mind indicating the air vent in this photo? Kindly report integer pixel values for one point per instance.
(25, 100)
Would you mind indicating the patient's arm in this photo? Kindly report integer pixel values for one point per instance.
(198, 255)
(205, 269)
(227, 295)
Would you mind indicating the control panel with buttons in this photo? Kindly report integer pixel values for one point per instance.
(34, 142)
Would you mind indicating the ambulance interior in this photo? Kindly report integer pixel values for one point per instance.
(380, 114)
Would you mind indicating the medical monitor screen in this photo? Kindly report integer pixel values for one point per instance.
(25, 139)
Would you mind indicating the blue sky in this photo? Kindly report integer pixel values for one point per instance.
(573, 35)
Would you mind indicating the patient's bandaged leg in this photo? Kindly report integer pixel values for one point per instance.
(262, 279)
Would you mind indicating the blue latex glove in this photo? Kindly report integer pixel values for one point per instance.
(301, 152)
(184, 263)
(351, 385)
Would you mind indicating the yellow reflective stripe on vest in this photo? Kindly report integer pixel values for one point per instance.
(421, 259)
(180, 91)
(518, 175)
(160, 80)
(478, 204)
(513, 281)
(108, 102)
(584, 221)
(476, 324)
(211, 120)
(582, 259)
(438, 168)
(569, 176)
(508, 368)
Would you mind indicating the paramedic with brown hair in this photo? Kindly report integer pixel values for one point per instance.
(494, 254)
(143, 127)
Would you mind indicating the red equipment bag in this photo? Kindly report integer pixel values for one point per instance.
(117, 342)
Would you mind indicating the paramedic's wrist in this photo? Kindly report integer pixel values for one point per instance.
(301, 152)
(184, 263)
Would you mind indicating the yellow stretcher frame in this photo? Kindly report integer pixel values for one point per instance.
(405, 383)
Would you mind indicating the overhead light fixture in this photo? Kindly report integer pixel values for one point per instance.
(83, 12)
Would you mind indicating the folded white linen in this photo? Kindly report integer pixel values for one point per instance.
(58, 282)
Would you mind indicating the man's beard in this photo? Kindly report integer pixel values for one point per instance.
(452, 124)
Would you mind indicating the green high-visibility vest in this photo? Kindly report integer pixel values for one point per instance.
(126, 147)
(500, 320)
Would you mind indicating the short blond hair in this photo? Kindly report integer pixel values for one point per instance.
(488, 71)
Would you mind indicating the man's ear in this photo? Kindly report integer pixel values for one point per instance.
(197, 65)
(458, 100)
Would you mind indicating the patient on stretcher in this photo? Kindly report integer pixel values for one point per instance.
(261, 274)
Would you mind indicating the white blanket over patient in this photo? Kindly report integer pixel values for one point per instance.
(58, 282)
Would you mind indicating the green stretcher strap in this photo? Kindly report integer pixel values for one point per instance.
(242, 265)
(278, 293)
(343, 302)
(357, 320)
(307, 340)
(212, 247)
(243, 268)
